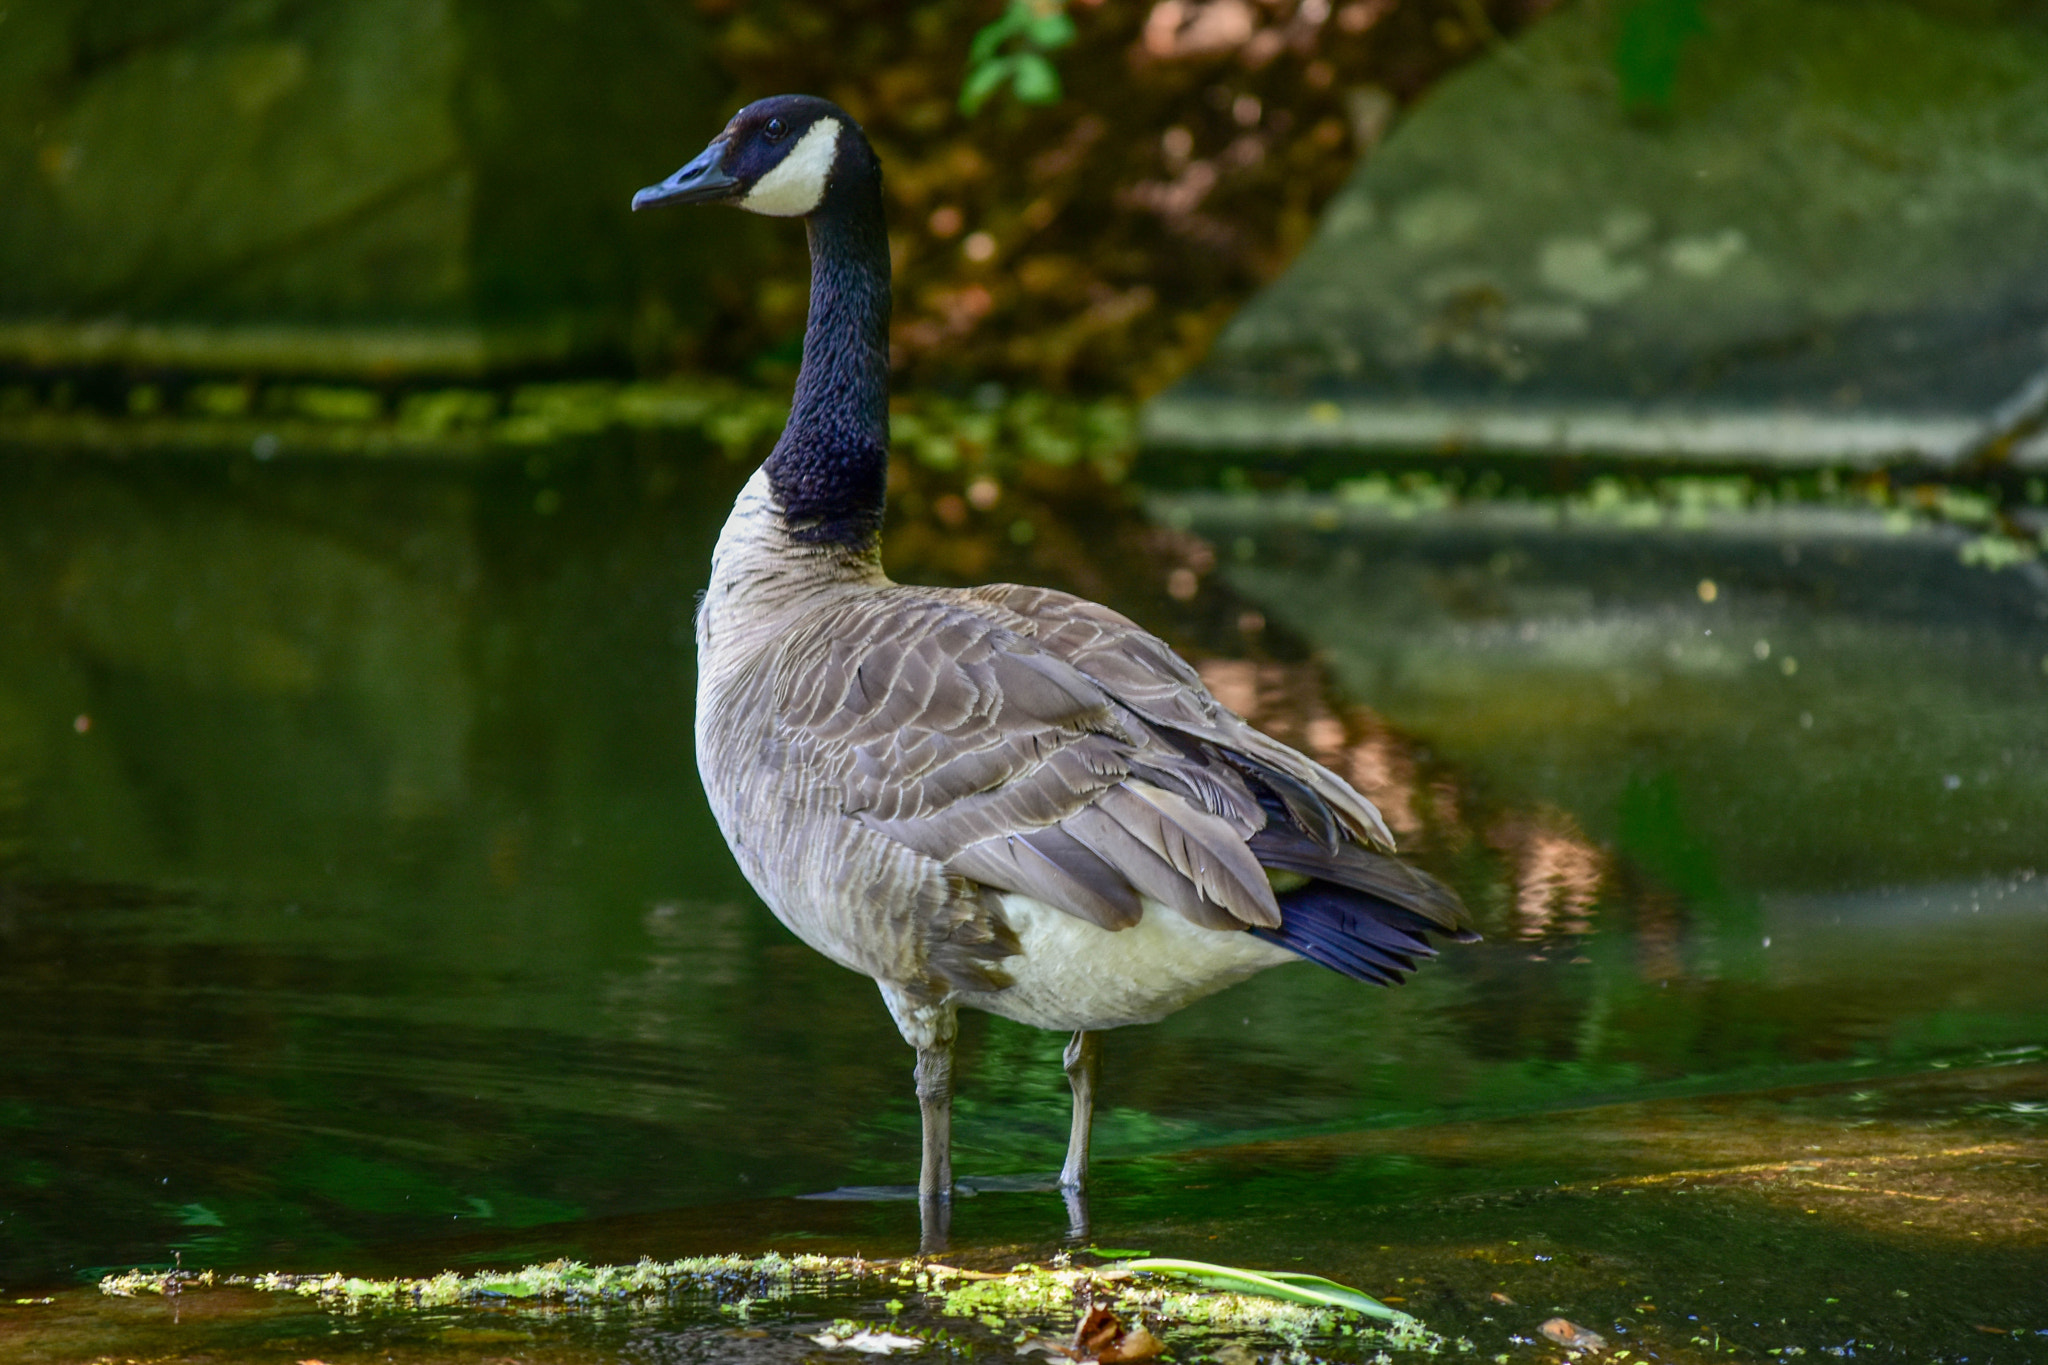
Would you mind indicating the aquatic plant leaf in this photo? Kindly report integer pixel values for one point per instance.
(1293, 1288)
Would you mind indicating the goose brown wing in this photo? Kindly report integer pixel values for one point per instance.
(1144, 674)
(958, 736)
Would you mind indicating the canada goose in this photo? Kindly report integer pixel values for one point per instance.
(1000, 797)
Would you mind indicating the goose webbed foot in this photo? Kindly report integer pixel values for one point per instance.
(1083, 1059)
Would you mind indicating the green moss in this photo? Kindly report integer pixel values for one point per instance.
(939, 1303)
(738, 1279)
(997, 436)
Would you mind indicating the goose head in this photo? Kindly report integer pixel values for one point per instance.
(784, 156)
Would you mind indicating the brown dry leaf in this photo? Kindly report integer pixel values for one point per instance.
(1573, 1337)
(1103, 1337)
(1095, 1332)
(1136, 1344)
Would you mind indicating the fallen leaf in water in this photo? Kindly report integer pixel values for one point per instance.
(1102, 1336)
(1136, 1344)
(870, 1342)
(1096, 1331)
(1499, 1297)
(1573, 1337)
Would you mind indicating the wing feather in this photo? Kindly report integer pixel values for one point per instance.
(1144, 674)
(1034, 867)
(1026, 741)
(1204, 848)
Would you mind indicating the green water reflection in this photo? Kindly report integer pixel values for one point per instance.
(355, 887)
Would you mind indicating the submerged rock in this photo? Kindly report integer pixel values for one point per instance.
(1752, 228)
(358, 186)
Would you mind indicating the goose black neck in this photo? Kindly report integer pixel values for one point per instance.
(831, 467)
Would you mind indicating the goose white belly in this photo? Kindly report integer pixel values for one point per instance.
(1071, 974)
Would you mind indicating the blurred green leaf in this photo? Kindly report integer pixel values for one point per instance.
(1036, 82)
(1050, 30)
(1040, 26)
(983, 81)
(990, 39)
(1648, 47)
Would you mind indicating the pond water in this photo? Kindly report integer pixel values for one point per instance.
(359, 909)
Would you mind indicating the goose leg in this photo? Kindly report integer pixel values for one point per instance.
(930, 1028)
(935, 1176)
(1083, 1060)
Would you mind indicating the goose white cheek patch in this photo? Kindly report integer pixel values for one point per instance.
(797, 183)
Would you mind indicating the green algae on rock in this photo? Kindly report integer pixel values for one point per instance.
(561, 1282)
(938, 1303)
(366, 188)
(991, 431)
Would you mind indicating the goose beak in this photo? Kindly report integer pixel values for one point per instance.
(702, 181)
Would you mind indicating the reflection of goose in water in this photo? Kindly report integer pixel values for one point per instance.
(1001, 797)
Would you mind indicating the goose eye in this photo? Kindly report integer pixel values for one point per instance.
(776, 129)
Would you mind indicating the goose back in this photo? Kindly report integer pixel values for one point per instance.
(910, 775)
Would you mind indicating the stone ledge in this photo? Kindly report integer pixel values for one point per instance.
(282, 348)
(1197, 422)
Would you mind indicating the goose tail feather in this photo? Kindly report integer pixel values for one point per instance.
(1383, 880)
(1362, 935)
